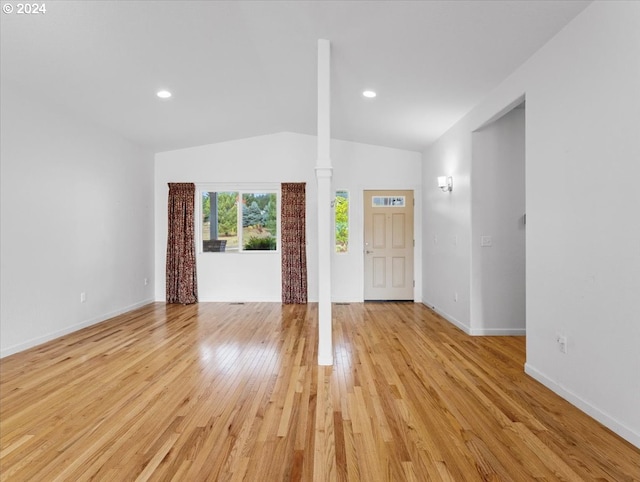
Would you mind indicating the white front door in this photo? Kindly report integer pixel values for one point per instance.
(388, 245)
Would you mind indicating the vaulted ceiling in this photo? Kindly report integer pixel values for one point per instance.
(244, 68)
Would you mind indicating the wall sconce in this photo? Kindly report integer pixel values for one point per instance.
(445, 183)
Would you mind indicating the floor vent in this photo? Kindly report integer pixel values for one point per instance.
(237, 303)
(343, 304)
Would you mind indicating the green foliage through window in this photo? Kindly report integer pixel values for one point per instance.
(260, 244)
(342, 221)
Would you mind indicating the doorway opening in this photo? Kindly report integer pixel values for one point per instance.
(498, 282)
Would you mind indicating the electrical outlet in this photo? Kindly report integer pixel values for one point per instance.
(83, 297)
(146, 281)
(455, 296)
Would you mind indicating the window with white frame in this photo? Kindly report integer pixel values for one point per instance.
(237, 220)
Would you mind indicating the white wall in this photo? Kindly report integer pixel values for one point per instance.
(272, 159)
(360, 167)
(446, 268)
(77, 217)
(497, 210)
(583, 237)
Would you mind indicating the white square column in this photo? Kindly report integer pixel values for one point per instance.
(323, 177)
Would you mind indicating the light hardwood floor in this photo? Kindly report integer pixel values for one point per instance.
(232, 392)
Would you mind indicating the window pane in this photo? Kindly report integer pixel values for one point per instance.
(342, 221)
(219, 221)
(259, 221)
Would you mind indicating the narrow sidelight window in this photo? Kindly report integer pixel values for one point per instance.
(342, 221)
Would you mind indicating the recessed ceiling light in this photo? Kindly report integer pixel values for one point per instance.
(370, 94)
(164, 94)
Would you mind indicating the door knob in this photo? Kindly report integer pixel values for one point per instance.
(368, 252)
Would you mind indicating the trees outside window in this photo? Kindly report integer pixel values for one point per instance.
(239, 221)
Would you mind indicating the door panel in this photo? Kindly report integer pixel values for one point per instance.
(398, 274)
(379, 231)
(388, 250)
(379, 272)
(398, 232)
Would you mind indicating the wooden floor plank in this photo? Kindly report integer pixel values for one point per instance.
(226, 392)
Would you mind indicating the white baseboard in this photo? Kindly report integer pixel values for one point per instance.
(594, 412)
(339, 299)
(477, 331)
(498, 332)
(448, 317)
(70, 329)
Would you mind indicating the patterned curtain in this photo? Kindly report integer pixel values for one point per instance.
(293, 239)
(182, 285)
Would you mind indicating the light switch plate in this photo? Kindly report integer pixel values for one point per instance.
(486, 241)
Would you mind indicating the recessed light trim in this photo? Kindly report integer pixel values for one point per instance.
(164, 94)
(369, 94)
